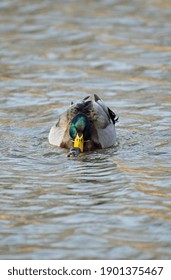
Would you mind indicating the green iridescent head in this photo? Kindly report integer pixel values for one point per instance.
(80, 130)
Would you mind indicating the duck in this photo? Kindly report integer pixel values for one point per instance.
(86, 125)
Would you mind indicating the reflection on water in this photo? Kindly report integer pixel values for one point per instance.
(116, 201)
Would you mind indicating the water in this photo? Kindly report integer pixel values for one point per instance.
(108, 204)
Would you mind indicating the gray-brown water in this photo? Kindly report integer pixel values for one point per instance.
(109, 204)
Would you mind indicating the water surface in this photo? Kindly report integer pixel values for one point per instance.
(109, 204)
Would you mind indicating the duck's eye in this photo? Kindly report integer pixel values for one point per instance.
(72, 131)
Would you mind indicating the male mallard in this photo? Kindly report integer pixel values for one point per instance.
(85, 126)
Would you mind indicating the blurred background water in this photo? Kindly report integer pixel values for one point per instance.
(108, 204)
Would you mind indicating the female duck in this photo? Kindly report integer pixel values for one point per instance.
(85, 126)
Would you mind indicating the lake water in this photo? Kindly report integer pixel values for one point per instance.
(108, 204)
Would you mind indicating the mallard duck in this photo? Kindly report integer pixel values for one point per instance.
(85, 126)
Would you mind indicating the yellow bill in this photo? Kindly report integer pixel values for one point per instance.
(79, 142)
